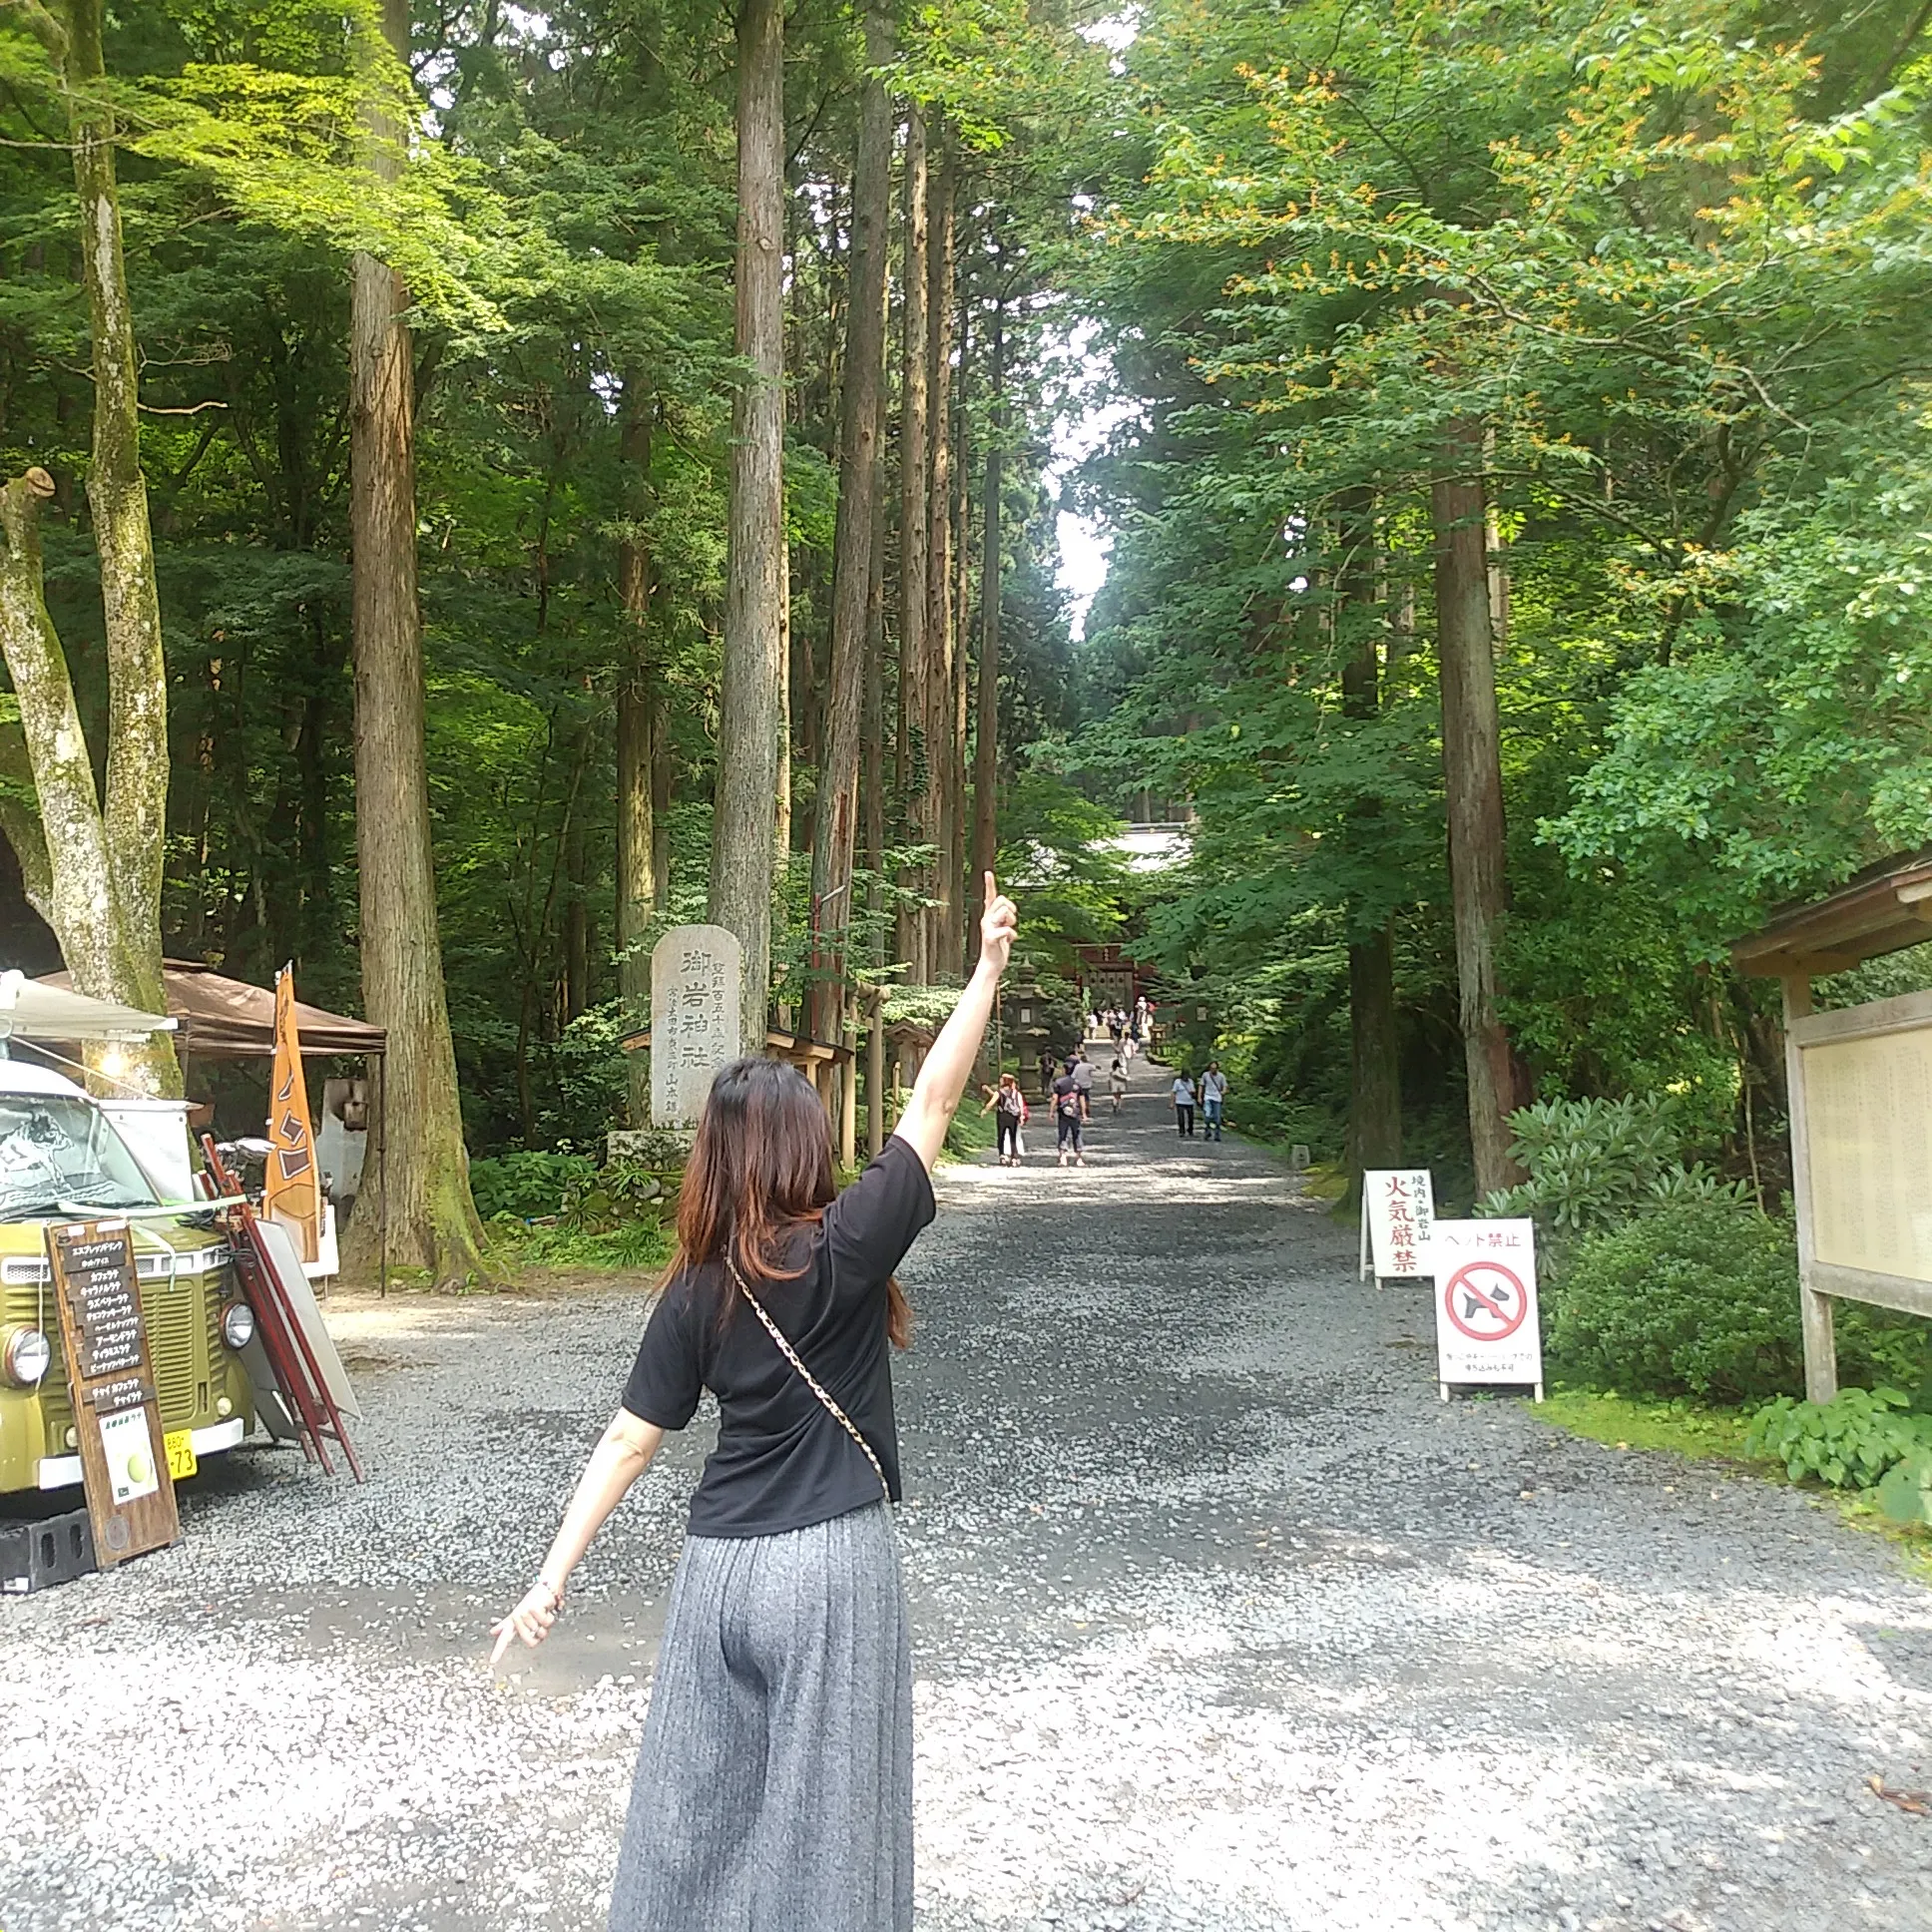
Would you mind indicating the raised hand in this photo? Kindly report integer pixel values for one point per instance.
(997, 926)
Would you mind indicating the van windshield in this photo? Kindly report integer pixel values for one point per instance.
(56, 1150)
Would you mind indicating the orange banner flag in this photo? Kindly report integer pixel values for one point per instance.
(293, 1192)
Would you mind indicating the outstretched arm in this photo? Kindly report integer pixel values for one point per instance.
(935, 1095)
(622, 1455)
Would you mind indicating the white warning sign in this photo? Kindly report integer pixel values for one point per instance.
(1487, 1327)
(1398, 1222)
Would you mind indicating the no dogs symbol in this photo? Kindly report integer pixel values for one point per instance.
(1485, 1302)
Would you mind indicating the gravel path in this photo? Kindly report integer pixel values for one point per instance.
(1225, 1622)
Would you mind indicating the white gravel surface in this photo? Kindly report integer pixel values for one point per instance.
(1225, 1622)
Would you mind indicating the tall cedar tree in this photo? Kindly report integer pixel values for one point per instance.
(752, 714)
(431, 1219)
(858, 475)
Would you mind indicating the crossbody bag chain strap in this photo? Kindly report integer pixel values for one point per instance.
(824, 1395)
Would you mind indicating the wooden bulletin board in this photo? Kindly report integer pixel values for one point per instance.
(1865, 1167)
(117, 1416)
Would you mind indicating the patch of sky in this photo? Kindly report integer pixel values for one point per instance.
(1087, 412)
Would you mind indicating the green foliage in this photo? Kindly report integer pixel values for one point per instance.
(613, 1217)
(1905, 1490)
(1333, 233)
(1258, 1115)
(620, 1194)
(968, 1132)
(1056, 865)
(590, 1074)
(1697, 1296)
(1679, 1426)
(1594, 1162)
(1850, 1442)
(635, 1247)
(526, 1186)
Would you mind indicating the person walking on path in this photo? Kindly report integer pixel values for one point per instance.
(1117, 1081)
(1183, 1104)
(774, 1788)
(1082, 1072)
(1010, 1108)
(1214, 1093)
(1068, 1116)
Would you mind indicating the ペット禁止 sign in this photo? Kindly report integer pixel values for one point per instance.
(1398, 1222)
(1487, 1327)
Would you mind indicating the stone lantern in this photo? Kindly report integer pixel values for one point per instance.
(1026, 1027)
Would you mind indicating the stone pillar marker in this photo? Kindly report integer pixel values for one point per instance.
(696, 976)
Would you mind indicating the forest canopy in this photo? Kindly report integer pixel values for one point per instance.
(1509, 422)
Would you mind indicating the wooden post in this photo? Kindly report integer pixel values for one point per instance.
(876, 1080)
(1820, 1341)
(848, 1093)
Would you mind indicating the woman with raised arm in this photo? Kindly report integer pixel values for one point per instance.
(774, 1788)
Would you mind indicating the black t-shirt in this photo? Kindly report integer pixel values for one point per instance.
(1066, 1096)
(781, 1461)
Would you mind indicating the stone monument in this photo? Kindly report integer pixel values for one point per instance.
(696, 975)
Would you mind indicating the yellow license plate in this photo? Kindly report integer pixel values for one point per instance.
(181, 1453)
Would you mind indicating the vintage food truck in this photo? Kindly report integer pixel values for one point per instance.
(63, 1158)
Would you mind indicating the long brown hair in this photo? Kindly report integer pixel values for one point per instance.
(759, 1168)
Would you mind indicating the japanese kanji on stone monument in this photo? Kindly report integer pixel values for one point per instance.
(695, 973)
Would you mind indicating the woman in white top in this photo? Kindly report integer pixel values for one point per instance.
(1183, 1104)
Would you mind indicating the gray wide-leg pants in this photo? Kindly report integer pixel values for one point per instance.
(773, 1789)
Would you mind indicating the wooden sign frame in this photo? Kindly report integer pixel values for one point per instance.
(1815, 1163)
(109, 1375)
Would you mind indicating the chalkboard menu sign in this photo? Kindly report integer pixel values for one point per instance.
(124, 1459)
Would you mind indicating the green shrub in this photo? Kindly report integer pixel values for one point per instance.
(1697, 1296)
(1850, 1442)
(618, 1195)
(1594, 1162)
(526, 1187)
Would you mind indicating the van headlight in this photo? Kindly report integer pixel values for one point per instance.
(25, 1356)
(238, 1324)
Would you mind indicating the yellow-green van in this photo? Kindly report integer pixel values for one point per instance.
(62, 1158)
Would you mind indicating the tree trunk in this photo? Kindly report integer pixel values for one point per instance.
(858, 468)
(956, 804)
(663, 776)
(578, 994)
(1375, 1083)
(432, 1219)
(108, 884)
(913, 488)
(986, 745)
(873, 735)
(1375, 1093)
(1472, 777)
(750, 702)
(639, 728)
(938, 683)
(63, 852)
(116, 493)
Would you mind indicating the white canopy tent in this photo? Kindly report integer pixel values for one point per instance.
(31, 1011)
